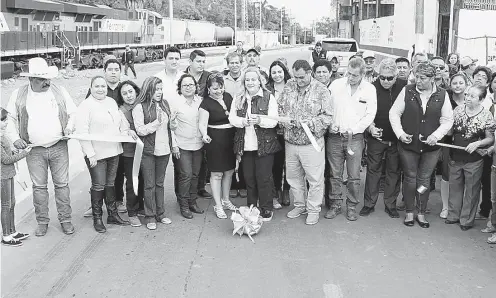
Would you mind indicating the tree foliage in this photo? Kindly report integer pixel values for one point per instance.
(220, 12)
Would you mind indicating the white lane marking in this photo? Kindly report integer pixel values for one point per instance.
(332, 291)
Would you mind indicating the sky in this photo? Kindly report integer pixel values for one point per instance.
(304, 11)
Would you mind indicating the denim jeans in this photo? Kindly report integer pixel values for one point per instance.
(103, 174)
(153, 168)
(337, 155)
(119, 181)
(203, 176)
(464, 190)
(278, 167)
(56, 158)
(133, 202)
(8, 204)
(375, 151)
(304, 163)
(258, 176)
(189, 165)
(493, 194)
(417, 171)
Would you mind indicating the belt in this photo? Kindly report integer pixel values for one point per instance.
(221, 126)
(343, 135)
(389, 143)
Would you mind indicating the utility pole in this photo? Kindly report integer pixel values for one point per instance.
(282, 11)
(235, 21)
(419, 26)
(171, 15)
(337, 18)
(260, 3)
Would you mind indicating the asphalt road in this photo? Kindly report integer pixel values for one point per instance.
(373, 257)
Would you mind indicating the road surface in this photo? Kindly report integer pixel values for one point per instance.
(375, 256)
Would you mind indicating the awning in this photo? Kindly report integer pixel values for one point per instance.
(42, 5)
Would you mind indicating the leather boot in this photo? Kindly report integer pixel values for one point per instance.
(184, 208)
(193, 207)
(113, 215)
(96, 207)
(285, 197)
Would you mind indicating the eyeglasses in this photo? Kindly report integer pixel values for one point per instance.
(481, 75)
(441, 67)
(384, 78)
(188, 86)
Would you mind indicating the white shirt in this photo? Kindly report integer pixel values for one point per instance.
(43, 111)
(233, 87)
(488, 101)
(352, 112)
(187, 133)
(251, 143)
(100, 117)
(160, 129)
(169, 85)
(396, 111)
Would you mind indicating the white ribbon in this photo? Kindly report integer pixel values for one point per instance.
(310, 136)
(138, 152)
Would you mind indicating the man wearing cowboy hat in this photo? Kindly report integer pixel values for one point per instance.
(41, 112)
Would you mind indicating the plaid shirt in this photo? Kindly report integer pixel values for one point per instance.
(313, 104)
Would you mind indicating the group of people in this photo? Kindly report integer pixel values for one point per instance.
(265, 134)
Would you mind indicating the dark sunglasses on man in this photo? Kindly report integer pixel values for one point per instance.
(384, 78)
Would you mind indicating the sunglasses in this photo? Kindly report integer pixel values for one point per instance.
(384, 78)
(441, 67)
(215, 75)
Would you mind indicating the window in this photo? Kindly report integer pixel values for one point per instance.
(339, 46)
(16, 21)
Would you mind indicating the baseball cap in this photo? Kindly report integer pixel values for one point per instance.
(368, 54)
(318, 44)
(255, 49)
(466, 61)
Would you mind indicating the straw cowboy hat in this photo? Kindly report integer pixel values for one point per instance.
(38, 68)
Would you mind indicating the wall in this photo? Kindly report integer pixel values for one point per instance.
(477, 23)
(395, 34)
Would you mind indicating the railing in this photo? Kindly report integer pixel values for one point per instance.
(39, 41)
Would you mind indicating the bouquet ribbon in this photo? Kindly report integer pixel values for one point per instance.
(138, 152)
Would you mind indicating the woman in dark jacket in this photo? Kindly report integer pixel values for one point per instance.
(128, 91)
(255, 140)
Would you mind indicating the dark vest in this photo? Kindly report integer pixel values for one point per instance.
(319, 56)
(150, 115)
(266, 137)
(415, 122)
(385, 100)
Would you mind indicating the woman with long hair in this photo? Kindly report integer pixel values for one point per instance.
(278, 77)
(99, 114)
(128, 92)
(218, 136)
(473, 129)
(255, 141)
(456, 92)
(151, 118)
(453, 61)
(189, 141)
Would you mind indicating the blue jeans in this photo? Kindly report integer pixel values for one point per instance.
(493, 195)
(103, 174)
(57, 158)
(189, 165)
(417, 171)
(153, 169)
(337, 155)
(8, 204)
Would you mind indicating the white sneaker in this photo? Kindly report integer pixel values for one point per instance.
(151, 226)
(134, 221)
(88, 213)
(166, 221)
(444, 214)
(276, 204)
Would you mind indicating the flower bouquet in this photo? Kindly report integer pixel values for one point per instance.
(248, 221)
